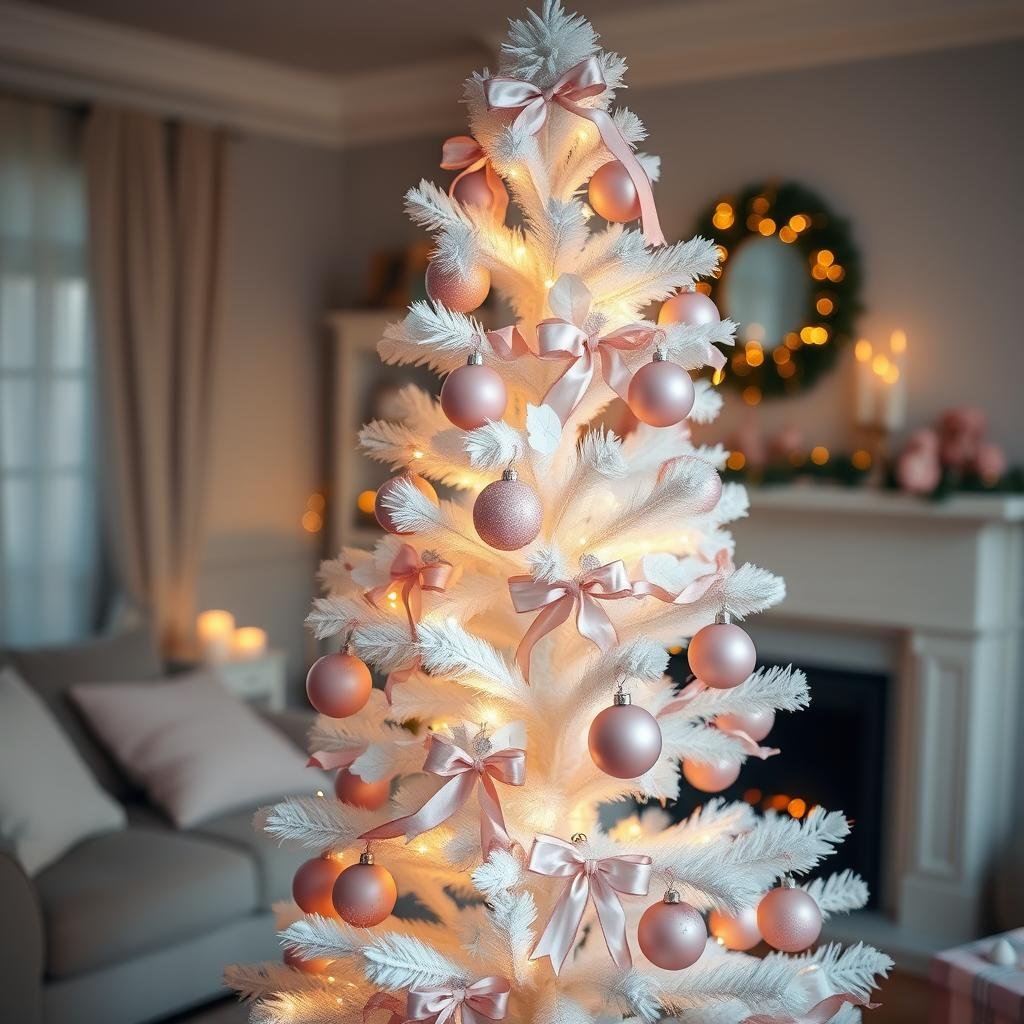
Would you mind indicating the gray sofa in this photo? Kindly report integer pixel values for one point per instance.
(138, 924)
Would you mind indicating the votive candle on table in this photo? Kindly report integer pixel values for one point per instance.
(249, 642)
(214, 631)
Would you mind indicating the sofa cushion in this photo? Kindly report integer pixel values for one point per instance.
(119, 895)
(51, 671)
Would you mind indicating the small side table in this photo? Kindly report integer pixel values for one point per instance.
(259, 680)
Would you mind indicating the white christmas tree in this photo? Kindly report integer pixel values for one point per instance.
(524, 628)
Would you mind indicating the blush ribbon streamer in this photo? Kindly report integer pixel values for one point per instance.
(387, 1002)
(556, 600)
(486, 999)
(464, 154)
(692, 591)
(580, 82)
(507, 343)
(414, 577)
(463, 771)
(328, 760)
(817, 1014)
(603, 879)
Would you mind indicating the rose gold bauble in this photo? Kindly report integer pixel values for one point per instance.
(384, 515)
(459, 292)
(473, 395)
(338, 685)
(472, 189)
(319, 965)
(365, 893)
(693, 308)
(721, 655)
(351, 789)
(624, 740)
(313, 884)
(671, 934)
(789, 919)
(756, 724)
(612, 194)
(507, 514)
(711, 778)
(739, 931)
(660, 393)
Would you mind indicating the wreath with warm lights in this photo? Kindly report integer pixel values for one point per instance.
(797, 217)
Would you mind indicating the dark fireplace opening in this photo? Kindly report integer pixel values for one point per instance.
(833, 756)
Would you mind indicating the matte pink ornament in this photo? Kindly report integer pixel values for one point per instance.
(789, 919)
(474, 394)
(713, 777)
(508, 514)
(459, 292)
(660, 393)
(355, 791)
(736, 931)
(756, 724)
(313, 885)
(472, 189)
(338, 685)
(721, 655)
(612, 193)
(624, 740)
(671, 934)
(689, 307)
(365, 893)
(384, 515)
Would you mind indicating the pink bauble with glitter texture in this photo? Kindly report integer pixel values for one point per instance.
(385, 517)
(721, 655)
(693, 308)
(672, 935)
(736, 931)
(472, 395)
(625, 741)
(313, 884)
(612, 194)
(355, 791)
(756, 724)
(711, 778)
(789, 919)
(458, 291)
(365, 893)
(507, 513)
(660, 393)
(338, 685)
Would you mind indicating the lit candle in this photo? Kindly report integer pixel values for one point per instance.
(249, 642)
(865, 383)
(896, 382)
(214, 630)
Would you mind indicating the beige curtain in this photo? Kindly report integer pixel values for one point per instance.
(156, 212)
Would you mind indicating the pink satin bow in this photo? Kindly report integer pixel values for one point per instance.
(463, 771)
(387, 1002)
(580, 82)
(486, 999)
(464, 154)
(601, 878)
(817, 1014)
(414, 577)
(605, 583)
(692, 591)
(507, 343)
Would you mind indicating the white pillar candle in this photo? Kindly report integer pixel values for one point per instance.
(214, 630)
(865, 383)
(249, 642)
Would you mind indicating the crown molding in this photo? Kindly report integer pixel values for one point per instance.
(85, 59)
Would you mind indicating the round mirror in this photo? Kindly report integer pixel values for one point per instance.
(790, 277)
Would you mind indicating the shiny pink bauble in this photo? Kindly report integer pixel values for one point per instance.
(756, 724)
(721, 655)
(711, 778)
(338, 685)
(507, 515)
(384, 515)
(365, 895)
(625, 741)
(612, 194)
(693, 308)
(672, 935)
(472, 190)
(318, 965)
(789, 919)
(459, 292)
(353, 790)
(737, 931)
(472, 395)
(660, 393)
(313, 885)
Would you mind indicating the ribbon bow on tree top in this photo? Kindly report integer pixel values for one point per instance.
(603, 879)
(580, 82)
(486, 999)
(572, 334)
(464, 154)
(497, 759)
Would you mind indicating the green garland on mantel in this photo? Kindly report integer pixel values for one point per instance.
(770, 209)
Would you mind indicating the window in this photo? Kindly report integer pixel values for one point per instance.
(49, 529)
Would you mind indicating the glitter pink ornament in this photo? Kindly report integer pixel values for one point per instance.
(313, 884)
(458, 291)
(671, 934)
(689, 307)
(507, 514)
(385, 517)
(735, 931)
(625, 740)
(473, 394)
(789, 919)
(711, 777)
(721, 655)
(338, 685)
(660, 393)
(365, 893)
(756, 724)
(612, 194)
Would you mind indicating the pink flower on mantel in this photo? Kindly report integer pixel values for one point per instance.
(923, 440)
(990, 462)
(961, 431)
(918, 470)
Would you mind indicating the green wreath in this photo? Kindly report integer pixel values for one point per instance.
(797, 217)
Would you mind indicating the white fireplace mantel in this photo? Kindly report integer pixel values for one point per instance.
(940, 586)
